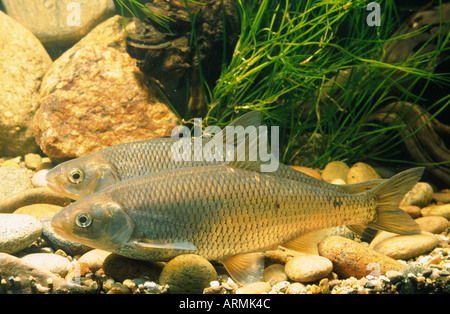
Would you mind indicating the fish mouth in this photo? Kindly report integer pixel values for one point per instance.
(59, 223)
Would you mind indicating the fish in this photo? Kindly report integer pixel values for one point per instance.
(229, 213)
(88, 174)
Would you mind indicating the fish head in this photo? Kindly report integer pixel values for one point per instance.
(95, 221)
(81, 176)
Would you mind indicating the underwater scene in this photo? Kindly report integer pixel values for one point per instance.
(224, 147)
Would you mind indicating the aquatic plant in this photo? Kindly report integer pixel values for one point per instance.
(319, 71)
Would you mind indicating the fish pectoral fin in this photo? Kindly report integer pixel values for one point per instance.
(245, 268)
(306, 243)
(149, 245)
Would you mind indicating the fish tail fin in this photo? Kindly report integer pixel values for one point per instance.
(389, 217)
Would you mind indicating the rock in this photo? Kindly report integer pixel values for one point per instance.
(24, 62)
(309, 171)
(403, 246)
(411, 210)
(394, 276)
(13, 180)
(38, 179)
(420, 195)
(187, 273)
(442, 197)
(39, 211)
(361, 172)
(437, 210)
(335, 170)
(308, 268)
(94, 259)
(58, 242)
(17, 232)
(32, 279)
(61, 22)
(352, 259)
(111, 33)
(53, 263)
(32, 161)
(101, 94)
(433, 224)
(274, 273)
(121, 268)
(255, 288)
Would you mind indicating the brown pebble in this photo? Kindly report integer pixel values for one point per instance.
(433, 224)
(309, 171)
(411, 210)
(437, 210)
(350, 258)
(275, 273)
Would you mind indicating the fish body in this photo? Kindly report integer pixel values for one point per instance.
(85, 175)
(223, 212)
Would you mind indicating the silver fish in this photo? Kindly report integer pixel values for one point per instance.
(226, 213)
(85, 175)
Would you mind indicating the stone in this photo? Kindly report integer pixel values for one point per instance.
(53, 263)
(33, 279)
(403, 246)
(17, 232)
(411, 210)
(308, 268)
(255, 288)
(335, 170)
(433, 224)
(59, 22)
(56, 241)
(32, 161)
(121, 268)
(38, 179)
(361, 172)
(111, 33)
(420, 195)
(39, 211)
(437, 210)
(101, 94)
(352, 259)
(187, 273)
(309, 171)
(441, 197)
(274, 273)
(13, 180)
(24, 61)
(94, 259)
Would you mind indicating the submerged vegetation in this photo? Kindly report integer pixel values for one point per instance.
(318, 70)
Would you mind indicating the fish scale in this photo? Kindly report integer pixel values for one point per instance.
(272, 211)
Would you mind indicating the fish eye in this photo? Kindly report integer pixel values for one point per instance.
(76, 176)
(83, 220)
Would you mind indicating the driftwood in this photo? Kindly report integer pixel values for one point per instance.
(423, 136)
(176, 57)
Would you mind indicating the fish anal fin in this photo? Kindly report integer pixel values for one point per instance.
(307, 242)
(245, 268)
(367, 234)
(151, 245)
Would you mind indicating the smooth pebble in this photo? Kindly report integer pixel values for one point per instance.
(308, 268)
(53, 263)
(18, 232)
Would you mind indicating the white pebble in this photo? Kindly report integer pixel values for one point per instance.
(214, 284)
(38, 179)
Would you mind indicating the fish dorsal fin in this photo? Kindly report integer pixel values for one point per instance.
(244, 158)
(306, 243)
(150, 245)
(245, 268)
(252, 118)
